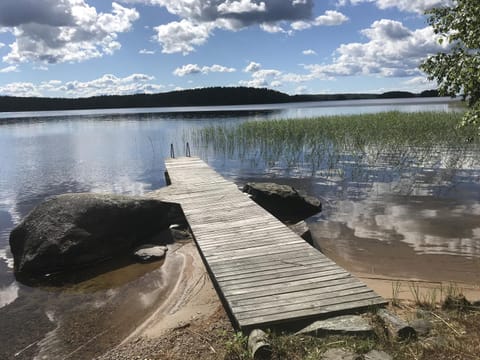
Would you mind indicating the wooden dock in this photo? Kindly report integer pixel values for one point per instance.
(264, 273)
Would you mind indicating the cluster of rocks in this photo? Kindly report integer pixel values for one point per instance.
(353, 326)
(72, 231)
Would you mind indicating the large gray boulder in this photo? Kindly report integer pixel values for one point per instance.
(73, 230)
(282, 201)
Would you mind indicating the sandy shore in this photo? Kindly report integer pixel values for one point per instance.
(404, 289)
(193, 297)
(191, 321)
(182, 325)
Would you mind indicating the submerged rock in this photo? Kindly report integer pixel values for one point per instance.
(150, 252)
(301, 229)
(73, 230)
(283, 201)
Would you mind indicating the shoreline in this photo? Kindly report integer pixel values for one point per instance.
(193, 313)
(193, 295)
(186, 319)
(193, 303)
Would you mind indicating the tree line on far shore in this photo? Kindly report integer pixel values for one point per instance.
(212, 96)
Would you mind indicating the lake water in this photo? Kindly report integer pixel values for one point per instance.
(430, 231)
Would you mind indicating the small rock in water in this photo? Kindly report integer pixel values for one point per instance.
(148, 252)
(302, 230)
(180, 235)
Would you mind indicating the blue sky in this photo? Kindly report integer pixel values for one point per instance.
(77, 48)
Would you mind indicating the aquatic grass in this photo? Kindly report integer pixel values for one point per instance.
(396, 287)
(347, 147)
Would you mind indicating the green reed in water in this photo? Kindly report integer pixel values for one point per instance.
(346, 145)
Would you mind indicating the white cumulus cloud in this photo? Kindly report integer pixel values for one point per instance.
(110, 84)
(419, 83)
(272, 28)
(309, 52)
(329, 18)
(11, 68)
(271, 78)
(54, 31)
(107, 84)
(191, 69)
(199, 18)
(264, 78)
(182, 36)
(392, 50)
(146, 52)
(252, 67)
(417, 6)
(19, 89)
(239, 7)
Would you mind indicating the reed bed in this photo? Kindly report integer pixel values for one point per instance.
(348, 147)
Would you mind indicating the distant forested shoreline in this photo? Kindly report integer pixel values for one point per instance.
(212, 96)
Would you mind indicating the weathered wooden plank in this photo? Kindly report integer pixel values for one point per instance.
(248, 254)
(271, 268)
(276, 273)
(302, 299)
(229, 247)
(309, 313)
(347, 299)
(237, 227)
(265, 273)
(281, 254)
(244, 240)
(327, 290)
(252, 250)
(251, 231)
(279, 278)
(294, 259)
(326, 282)
(285, 286)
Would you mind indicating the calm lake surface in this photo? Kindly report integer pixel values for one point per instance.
(426, 229)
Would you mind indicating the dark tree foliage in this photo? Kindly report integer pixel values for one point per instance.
(457, 70)
(214, 96)
(195, 97)
(397, 95)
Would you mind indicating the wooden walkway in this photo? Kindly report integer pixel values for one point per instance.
(264, 273)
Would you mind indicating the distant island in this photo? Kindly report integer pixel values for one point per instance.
(212, 96)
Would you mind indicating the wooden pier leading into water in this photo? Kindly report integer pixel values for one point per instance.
(264, 272)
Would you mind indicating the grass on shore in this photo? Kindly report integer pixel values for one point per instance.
(455, 334)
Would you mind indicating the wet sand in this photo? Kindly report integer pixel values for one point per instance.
(183, 323)
(396, 259)
(192, 297)
(86, 319)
